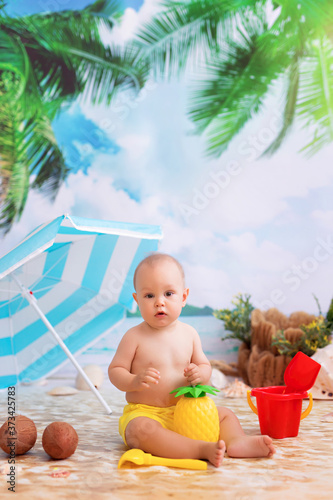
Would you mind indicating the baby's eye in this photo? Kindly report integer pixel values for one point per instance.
(168, 294)
(149, 295)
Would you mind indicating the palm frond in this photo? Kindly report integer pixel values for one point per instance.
(16, 196)
(107, 69)
(12, 68)
(315, 103)
(44, 156)
(315, 16)
(65, 63)
(47, 60)
(223, 75)
(238, 81)
(189, 30)
(107, 10)
(289, 108)
(14, 170)
(27, 146)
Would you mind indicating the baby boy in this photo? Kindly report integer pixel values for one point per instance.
(159, 355)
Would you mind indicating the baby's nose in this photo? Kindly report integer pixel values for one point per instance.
(159, 301)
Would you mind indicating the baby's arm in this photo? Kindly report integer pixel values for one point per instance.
(199, 370)
(120, 367)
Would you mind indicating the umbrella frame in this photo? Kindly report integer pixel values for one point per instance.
(29, 296)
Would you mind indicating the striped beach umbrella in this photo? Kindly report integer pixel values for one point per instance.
(68, 283)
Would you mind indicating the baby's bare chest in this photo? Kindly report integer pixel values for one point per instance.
(163, 354)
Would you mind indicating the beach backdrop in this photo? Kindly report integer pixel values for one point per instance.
(212, 119)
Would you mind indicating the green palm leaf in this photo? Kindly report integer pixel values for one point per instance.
(189, 29)
(47, 60)
(241, 62)
(289, 108)
(44, 156)
(14, 170)
(67, 56)
(27, 146)
(315, 105)
(238, 81)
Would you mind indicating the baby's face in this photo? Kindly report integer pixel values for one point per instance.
(160, 293)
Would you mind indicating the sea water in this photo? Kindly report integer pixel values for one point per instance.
(210, 329)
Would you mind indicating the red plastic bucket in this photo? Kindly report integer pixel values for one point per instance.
(278, 410)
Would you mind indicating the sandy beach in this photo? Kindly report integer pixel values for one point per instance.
(302, 467)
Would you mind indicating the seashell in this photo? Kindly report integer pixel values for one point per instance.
(96, 375)
(323, 387)
(63, 390)
(236, 389)
(218, 379)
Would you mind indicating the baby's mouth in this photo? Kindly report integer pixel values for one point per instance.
(160, 314)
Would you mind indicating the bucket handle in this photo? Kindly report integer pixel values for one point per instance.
(309, 408)
(251, 405)
(303, 415)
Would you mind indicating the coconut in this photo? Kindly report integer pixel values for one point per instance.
(18, 436)
(60, 440)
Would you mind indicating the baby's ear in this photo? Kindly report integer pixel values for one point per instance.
(135, 297)
(185, 295)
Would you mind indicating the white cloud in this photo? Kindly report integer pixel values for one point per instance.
(249, 254)
(130, 22)
(232, 193)
(135, 145)
(256, 193)
(324, 218)
(216, 267)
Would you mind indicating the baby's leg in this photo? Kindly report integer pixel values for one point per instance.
(151, 437)
(238, 444)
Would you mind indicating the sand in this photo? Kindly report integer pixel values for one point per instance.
(302, 468)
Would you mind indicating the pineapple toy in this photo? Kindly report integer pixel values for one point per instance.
(196, 415)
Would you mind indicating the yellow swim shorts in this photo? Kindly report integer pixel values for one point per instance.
(162, 415)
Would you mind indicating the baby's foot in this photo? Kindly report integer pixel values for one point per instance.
(214, 453)
(251, 447)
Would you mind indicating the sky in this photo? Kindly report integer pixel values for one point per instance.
(26, 7)
(239, 224)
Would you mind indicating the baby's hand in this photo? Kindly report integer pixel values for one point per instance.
(192, 374)
(147, 377)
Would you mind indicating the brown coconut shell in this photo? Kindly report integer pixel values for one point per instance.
(60, 440)
(18, 436)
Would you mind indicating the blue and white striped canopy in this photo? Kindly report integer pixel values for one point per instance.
(80, 272)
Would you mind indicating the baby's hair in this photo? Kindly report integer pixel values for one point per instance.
(155, 257)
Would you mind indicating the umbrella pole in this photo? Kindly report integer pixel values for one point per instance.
(33, 302)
